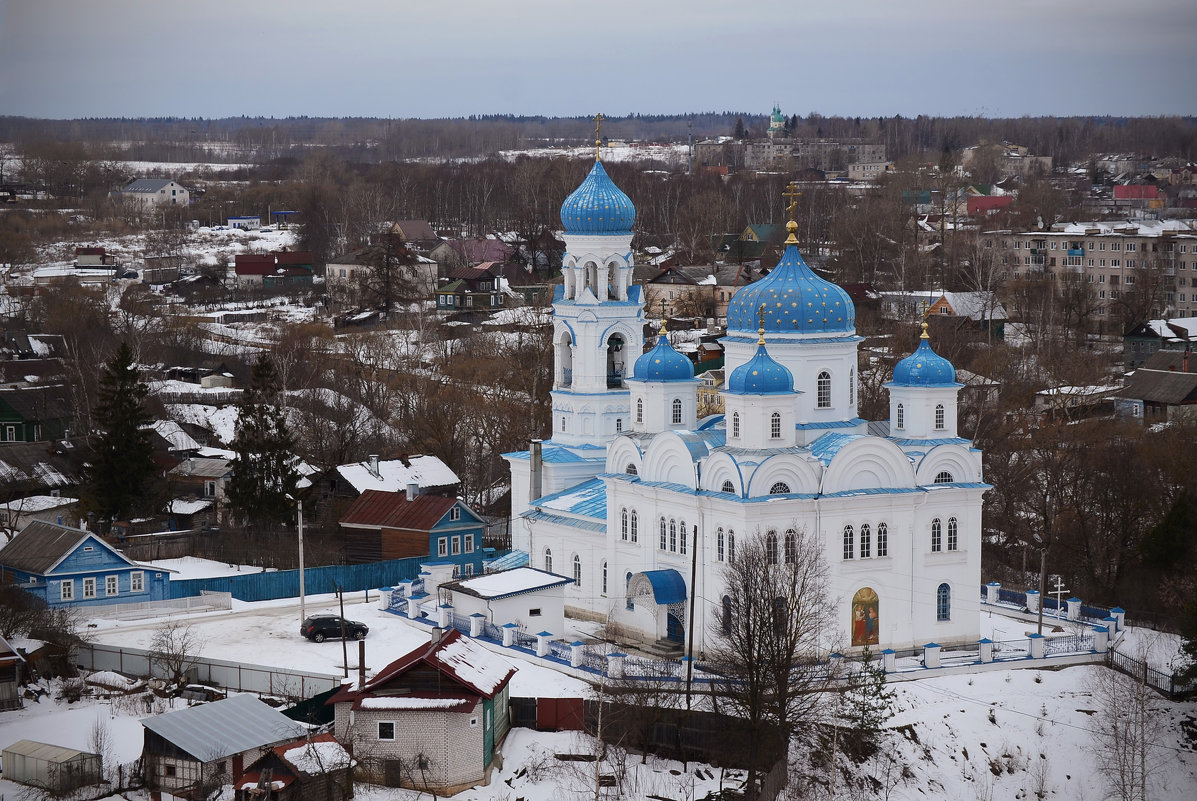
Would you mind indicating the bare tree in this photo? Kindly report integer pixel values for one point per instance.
(175, 647)
(1127, 732)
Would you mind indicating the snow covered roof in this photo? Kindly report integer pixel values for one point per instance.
(174, 434)
(189, 507)
(407, 702)
(393, 475)
(508, 583)
(36, 503)
(316, 756)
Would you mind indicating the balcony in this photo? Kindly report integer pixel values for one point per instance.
(1078, 252)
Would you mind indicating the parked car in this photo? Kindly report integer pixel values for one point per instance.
(320, 627)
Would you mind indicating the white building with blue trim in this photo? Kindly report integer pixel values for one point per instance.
(633, 493)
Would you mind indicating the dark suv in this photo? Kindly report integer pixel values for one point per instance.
(320, 627)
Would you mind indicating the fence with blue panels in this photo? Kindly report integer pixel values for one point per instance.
(317, 580)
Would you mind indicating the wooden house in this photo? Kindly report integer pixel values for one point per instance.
(395, 525)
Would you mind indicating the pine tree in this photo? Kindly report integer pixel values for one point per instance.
(122, 470)
(264, 471)
(869, 703)
(740, 133)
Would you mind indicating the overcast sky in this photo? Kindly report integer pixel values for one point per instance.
(452, 58)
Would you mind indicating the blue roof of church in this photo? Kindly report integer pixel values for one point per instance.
(668, 586)
(598, 206)
(761, 375)
(924, 368)
(663, 363)
(795, 300)
(588, 499)
(827, 446)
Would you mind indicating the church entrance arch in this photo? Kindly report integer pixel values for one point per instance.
(666, 589)
(675, 631)
(866, 622)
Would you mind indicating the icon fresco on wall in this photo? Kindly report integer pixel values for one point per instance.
(865, 624)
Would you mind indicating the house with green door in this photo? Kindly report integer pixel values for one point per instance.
(432, 719)
(34, 414)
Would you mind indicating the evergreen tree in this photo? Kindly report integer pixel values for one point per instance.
(122, 469)
(740, 133)
(264, 468)
(869, 703)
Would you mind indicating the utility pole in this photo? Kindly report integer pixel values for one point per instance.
(690, 627)
(302, 615)
(1042, 584)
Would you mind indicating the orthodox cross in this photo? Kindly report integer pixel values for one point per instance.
(598, 138)
(792, 194)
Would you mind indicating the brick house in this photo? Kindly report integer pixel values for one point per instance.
(430, 720)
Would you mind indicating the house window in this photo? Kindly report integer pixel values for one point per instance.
(635, 526)
(791, 547)
(953, 534)
(823, 384)
(137, 581)
(89, 588)
(735, 425)
(866, 541)
(943, 603)
(534, 612)
(548, 560)
(936, 536)
(169, 770)
(386, 730)
(775, 425)
(677, 411)
(468, 541)
(468, 568)
(442, 546)
(939, 417)
(623, 524)
(900, 417)
(210, 489)
(473, 723)
(944, 477)
(111, 585)
(10, 433)
(771, 547)
(719, 543)
(456, 544)
(68, 590)
(664, 534)
(849, 542)
(882, 539)
(577, 571)
(455, 513)
(731, 546)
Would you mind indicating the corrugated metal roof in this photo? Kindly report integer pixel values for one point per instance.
(393, 510)
(508, 561)
(906, 443)
(588, 498)
(45, 751)
(588, 525)
(147, 185)
(222, 728)
(42, 545)
(827, 446)
(668, 586)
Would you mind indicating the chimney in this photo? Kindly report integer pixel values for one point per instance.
(413, 490)
(437, 633)
(372, 465)
(361, 663)
(537, 461)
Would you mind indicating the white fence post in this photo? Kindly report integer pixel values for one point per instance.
(542, 643)
(476, 621)
(1033, 601)
(1101, 639)
(991, 592)
(889, 660)
(575, 653)
(931, 655)
(384, 598)
(615, 664)
(1119, 614)
(413, 605)
(985, 646)
(509, 630)
(444, 616)
(1037, 645)
(1074, 608)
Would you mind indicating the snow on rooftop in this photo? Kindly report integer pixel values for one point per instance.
(37, 503)
(408, 702)
(393, 476)
(189, 507)
(521, 579)
(475, 664)
(316, 757)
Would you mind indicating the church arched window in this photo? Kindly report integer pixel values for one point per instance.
(849, 542)
(900, 417)
(677, 411)
(943, 602)
(725, 619)
(631, 470)
(639, 410)
(548, 560)
(728, 487)
(577, 571)
(664, 533)
(882, 539)
(823, 390)
(735, 425)
(604, 578)
(771, 547)
(780, 488)
(623, 523)
(779, 615)
(939, 417)
(618, 425)
(944, 477)
(681, 546)
(731, 546)
(936, 535)
(775, 425)
(791, 548)
(851, 386)
(627, 588)
(953, 534)
(673, 535)
(719, 545)
(635, 526)
(866, 541)
(562, 423)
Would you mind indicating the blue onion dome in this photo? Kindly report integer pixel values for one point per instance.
(761, 375)
(924, 367)
(795, 299)
(598, 206)
(662, 363)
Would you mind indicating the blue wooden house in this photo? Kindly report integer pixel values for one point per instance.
(67, 566)
(395, 525)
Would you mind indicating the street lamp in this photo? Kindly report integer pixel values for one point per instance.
(299, 524)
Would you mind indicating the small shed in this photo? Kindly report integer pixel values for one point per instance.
(50, 767)
(527, 596)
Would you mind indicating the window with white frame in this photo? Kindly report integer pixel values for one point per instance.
(779, 488)
(468, 541)
(623, 524)
(681, 545)
(442, 546)
(943, 603)
(944, 477)
(137, 581)
(939, 417)
(664, 538)
(900, 415)
(639, 410)
(728, 487)
(89, 588)
(882, 539)
(455, 513)
(577, 571)
(731, 546)
(823, 390)
(791, 547)
(775, 425)
(849, 542)
(604, 591)
(936, 536)
(67, 590)
(719, 545)
(851, 386)
(735, 425)
(677, 411)
(635, 526)
(953, 534)
(673, 535)
(866, 541)
(111, 585)
(771, 547)
(456, 545)
(548, 560)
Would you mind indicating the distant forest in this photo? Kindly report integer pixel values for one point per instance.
(373, 140)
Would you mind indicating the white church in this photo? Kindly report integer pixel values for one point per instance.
(633, 493)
